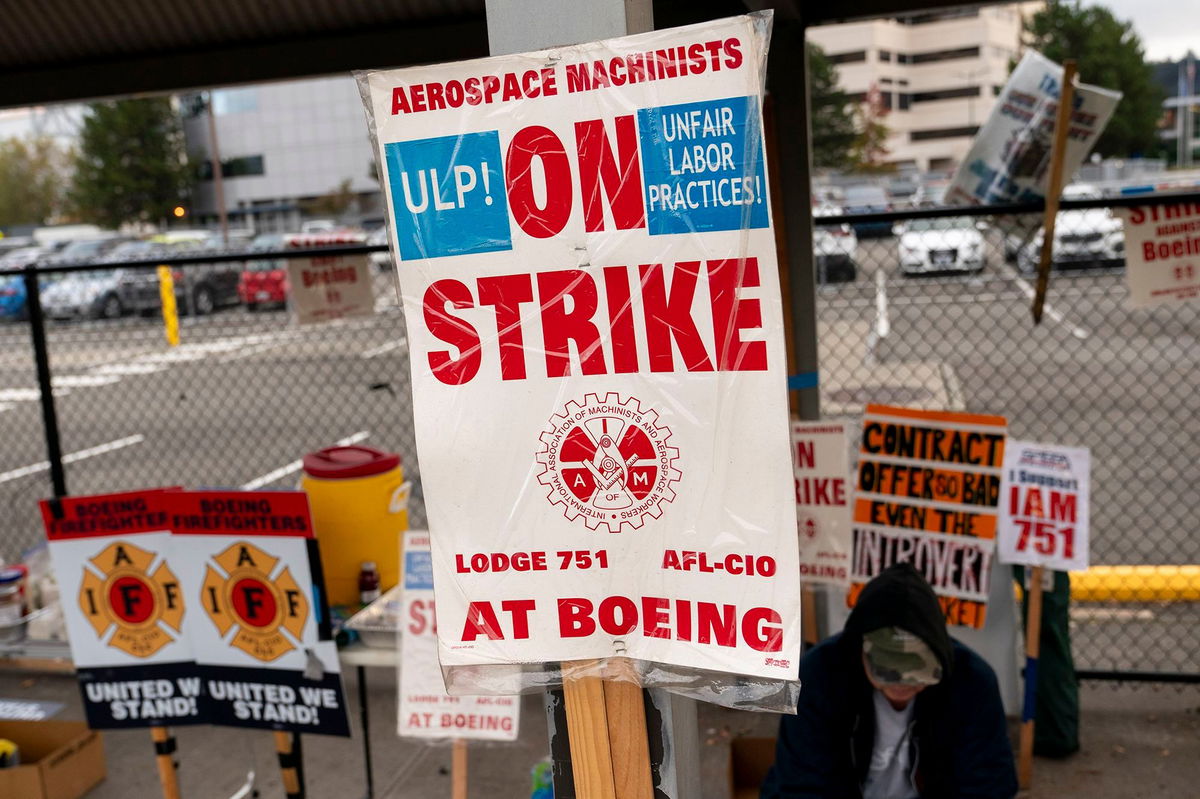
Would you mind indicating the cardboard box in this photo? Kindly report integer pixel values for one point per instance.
(749, 761)
(59, 760)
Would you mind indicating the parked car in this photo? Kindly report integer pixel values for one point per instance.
(868, 200)
(199, 288)
(382, 261)
(23, 257)
(941, 244)
(13, 298)
(1082, 238)
(87, 295)
(87, 250)
(835, 249)
(264, 282)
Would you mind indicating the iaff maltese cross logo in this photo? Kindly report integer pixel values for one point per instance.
(244, 591)
(608, 461)
(142, 608)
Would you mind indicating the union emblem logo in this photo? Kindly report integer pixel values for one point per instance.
(245, 591)
(143, 609)
(608, 461)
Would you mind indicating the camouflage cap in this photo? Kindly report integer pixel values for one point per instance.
(895, 656)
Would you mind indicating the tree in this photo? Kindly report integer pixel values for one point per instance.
(833, 129)
(1109, 54)
(32, 185)
(335, 203)
(869, 151)
(132, 165)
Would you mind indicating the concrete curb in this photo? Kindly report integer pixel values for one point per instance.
(1136, 584)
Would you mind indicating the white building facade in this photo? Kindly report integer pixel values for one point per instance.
(282, 147)
(937, 73)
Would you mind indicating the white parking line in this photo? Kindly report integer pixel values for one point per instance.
(90, 452)
(383, 349)
(84, 381)
(295, 466)
(883, 325)
(248, 351)
(1047, 308)
(6, 406)
(123, 369)
(20, 395)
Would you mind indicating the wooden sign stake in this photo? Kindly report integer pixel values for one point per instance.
(289, 771)
(1033, 634)
(606, 726)
(458, 769)
(1062, 124)
(164, 756)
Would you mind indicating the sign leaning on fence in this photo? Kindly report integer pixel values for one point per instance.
(426, 710)
(331, 287)
(1162, 252)
(125, 609)
(1009, 161)
(1044, 506)
(822, 463)
(927, 494)
(588, 274)
(258, 624)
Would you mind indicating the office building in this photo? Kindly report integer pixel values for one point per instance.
(937, 74)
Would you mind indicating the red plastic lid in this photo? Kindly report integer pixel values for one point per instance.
(343, 463)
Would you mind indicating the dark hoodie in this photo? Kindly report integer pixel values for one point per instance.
(960, 739)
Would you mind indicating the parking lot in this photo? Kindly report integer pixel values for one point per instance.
(247, 394)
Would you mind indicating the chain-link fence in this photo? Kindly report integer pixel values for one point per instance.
(928, 309)
(245, 395)
(933, 311)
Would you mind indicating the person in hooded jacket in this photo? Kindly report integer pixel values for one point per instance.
(893, 708)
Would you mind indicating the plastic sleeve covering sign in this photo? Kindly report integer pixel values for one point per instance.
(588, 272)
(257, 624)
(927, 493)
(1162, 252)
(822, 500)
(426, 710)
(1009, 161)
(125, 609)
(331, 287)
(1044, 506)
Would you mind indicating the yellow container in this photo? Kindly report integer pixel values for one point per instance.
(359, 502)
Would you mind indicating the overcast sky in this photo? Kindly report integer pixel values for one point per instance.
(1168, 28)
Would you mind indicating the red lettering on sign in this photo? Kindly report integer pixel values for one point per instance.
(529, 143)
(620, 175)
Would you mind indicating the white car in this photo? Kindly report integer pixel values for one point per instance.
(835, 248)
(941, 244)
(1082, 238)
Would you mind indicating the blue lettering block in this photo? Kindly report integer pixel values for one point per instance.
(448, 195)
(702, 166)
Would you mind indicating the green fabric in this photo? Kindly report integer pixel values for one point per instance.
(1056, 728)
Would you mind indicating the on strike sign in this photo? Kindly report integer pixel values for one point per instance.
(1044, 506)
(426, 710)
(822, 500)
(1162, 252)
(589, 278)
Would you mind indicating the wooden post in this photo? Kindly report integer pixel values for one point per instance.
(1062, 124)
(458, 770)
(289, 771)
(606, 723)
(1033, 633)
(164, 756)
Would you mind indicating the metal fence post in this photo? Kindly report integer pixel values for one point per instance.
(41, 358)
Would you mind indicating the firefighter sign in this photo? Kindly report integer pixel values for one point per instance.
(251, 593)
(120, 591)
(264, 649)
(125, 609)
